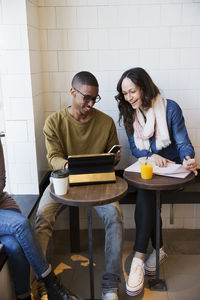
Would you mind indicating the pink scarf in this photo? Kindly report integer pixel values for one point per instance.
(155, 123)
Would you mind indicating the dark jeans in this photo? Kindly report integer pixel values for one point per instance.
(145, 220)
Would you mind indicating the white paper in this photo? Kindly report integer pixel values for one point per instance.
(172, 170)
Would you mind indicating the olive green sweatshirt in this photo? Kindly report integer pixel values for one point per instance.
(66, 136)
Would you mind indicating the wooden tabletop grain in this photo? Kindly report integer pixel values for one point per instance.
(94, 194)
(159, 183)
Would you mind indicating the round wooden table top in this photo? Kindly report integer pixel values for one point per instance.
(93, 194)
(159, 183)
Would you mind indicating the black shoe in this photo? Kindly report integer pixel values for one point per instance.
(27, 298)
(39, 290)
(56, 291)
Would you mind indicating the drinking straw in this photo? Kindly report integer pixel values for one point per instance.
(148, 152)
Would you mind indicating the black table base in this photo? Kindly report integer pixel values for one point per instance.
(157, 284)
(90, 255)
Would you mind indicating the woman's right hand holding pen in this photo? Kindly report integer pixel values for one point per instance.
(190, 164)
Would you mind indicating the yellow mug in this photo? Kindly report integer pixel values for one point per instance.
(146, 168)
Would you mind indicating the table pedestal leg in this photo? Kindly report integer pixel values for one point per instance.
(74, 228)
(90, 253)
(157, 284)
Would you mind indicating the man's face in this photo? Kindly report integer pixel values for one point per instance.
(84, 97)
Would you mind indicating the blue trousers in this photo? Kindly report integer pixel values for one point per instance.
(23, 249)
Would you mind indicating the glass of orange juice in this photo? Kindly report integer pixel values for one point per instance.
(146, 167)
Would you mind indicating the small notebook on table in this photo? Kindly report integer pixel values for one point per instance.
(91, 168)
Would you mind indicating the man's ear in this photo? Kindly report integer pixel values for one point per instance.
(72, 91)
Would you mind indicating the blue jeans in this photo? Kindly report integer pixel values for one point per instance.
(111, 215)
(23, 249)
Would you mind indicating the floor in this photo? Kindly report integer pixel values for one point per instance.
(181, 271)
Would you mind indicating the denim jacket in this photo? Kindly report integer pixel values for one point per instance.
(180, 143)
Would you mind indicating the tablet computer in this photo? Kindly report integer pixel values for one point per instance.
(91, 168)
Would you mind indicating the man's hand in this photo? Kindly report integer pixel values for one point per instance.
(161, 161)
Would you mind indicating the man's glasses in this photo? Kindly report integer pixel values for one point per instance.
(88, 98)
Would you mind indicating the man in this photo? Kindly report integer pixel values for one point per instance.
(82, 129)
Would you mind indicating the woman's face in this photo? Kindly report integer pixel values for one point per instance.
(132, 93)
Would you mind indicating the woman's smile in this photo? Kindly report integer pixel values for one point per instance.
(132, 93)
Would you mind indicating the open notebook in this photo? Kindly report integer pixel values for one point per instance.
(172, 170)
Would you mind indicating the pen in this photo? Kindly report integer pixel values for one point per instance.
(186, 158)
(192, 167)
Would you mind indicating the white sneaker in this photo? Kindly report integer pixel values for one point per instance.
(135, 282)
(150, 263)
(109, 295)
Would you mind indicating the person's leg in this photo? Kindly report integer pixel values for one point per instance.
(18, 265)
(153, 233)
(145, 212)
(112, 217)
(145, 216)
(16, 225)
(45, 218)
(46, 214)
(150, 263)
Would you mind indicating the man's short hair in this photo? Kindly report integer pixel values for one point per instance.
(84, 78)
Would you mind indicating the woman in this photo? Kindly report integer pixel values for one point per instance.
(157, 125)
(23, 248)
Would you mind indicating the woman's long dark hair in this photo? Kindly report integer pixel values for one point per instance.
(148, 91)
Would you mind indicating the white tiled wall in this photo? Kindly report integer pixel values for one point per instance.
(106, 37)
(17, 100)
(38, 61)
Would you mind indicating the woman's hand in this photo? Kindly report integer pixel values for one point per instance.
(161, 161)
(190, 164)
